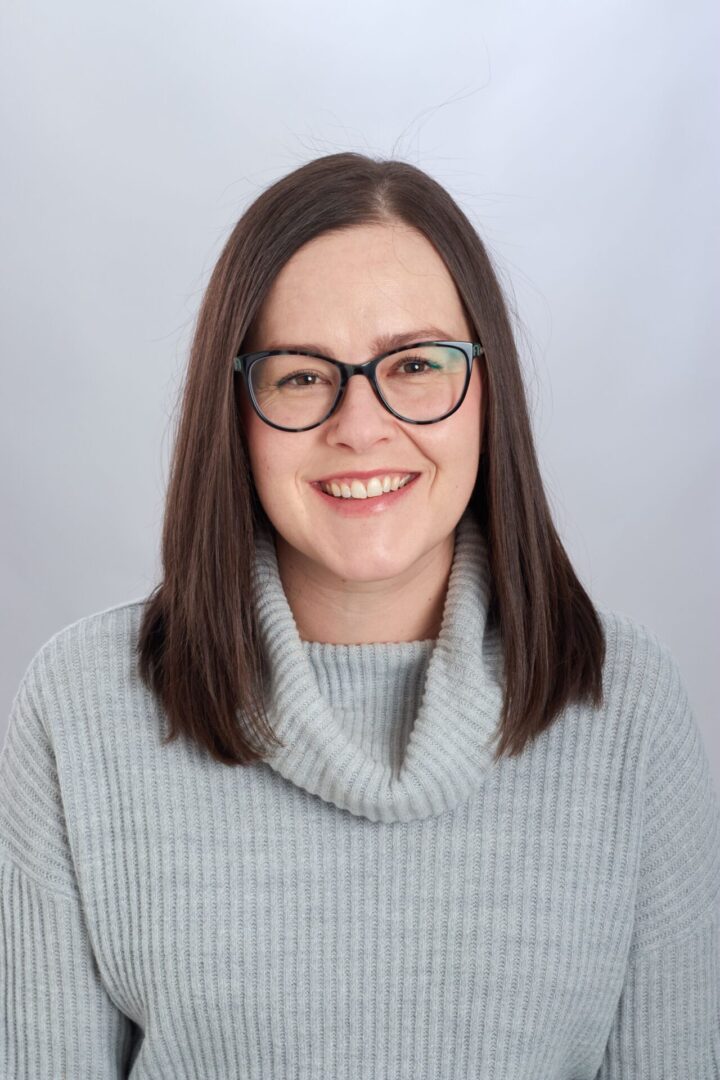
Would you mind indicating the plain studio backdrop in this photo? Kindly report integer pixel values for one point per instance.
(581, 140)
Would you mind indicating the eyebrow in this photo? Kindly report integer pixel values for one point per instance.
(381, 344)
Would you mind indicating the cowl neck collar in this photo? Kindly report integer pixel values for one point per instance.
(449, 749)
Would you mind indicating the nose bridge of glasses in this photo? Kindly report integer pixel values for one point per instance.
(365, 370)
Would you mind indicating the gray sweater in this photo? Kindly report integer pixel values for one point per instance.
(376, 900)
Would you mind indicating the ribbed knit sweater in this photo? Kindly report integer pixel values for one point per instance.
(377, 899)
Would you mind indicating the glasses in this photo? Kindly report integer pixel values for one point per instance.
(296, 390)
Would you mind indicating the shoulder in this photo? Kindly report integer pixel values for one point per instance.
(640, 667)
(679, 857)
(82, 658)
(60, 713)
(678, 888)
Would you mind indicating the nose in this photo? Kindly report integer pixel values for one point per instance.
(360, 417)
(360, 395)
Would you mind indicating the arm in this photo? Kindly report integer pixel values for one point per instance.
(667, 1021)
(56, 1018)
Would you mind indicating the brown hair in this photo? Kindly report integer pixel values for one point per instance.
(199, 646)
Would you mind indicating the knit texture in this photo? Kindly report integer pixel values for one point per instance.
(376, 900)
(439, 753)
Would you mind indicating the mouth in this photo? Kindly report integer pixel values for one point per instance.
(361, 499)
(368, 486)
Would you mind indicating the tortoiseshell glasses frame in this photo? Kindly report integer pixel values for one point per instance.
(244, 362)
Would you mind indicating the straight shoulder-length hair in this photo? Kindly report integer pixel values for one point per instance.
(199, 648)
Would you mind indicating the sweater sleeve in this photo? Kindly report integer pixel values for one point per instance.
(667, 1020)
(56, 1018)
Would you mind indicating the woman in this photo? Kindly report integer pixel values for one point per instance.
(367, 786)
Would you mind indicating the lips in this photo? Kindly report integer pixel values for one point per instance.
(392, 471)
(370, 506)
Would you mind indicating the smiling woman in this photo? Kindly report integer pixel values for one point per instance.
(367, 786)
(388, 583)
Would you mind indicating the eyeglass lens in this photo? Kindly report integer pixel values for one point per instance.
(420, 383)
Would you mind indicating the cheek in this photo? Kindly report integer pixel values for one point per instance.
(258, 439)
(246, 416)
(255, 436)
(471, 413)
(453, 446)
(455, 450)
(252, 436)
(274, 459)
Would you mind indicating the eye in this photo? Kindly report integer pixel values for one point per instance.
(417, 360)
(290, 379)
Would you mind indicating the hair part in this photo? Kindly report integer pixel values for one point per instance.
(199, 648)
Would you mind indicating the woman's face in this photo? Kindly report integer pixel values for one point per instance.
(341, 291)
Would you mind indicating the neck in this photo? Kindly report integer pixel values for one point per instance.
(341, 612)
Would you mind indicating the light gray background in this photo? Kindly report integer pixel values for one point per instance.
(581, 140)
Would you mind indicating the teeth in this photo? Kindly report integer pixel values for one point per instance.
(356, 489)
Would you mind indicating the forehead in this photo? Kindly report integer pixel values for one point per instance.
(351, 286)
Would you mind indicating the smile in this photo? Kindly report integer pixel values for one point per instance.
(358, 489)
(358, 499)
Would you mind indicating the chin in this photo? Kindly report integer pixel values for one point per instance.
(367, 564)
